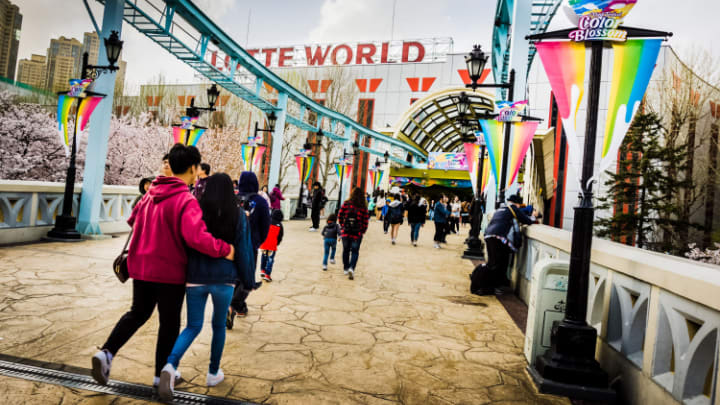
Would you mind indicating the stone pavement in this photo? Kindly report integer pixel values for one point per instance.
(406, 330)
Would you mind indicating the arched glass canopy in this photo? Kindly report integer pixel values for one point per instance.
(431, 123)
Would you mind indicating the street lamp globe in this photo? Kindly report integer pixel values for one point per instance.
(212, 94)
(113, 46)
(271, 119)
(463, 104)
(475, 62)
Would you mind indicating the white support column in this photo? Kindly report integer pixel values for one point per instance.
(519, 49)
(94, 173)
(278, 135)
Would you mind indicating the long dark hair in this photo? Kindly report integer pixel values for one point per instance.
(357, 198)
(219, 207)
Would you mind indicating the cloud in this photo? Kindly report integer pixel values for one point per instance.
(351, 20)
(216, 9)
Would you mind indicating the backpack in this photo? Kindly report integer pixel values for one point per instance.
(395, 213)
(351, 224)
(515, 235)
(481, 280)
(245, 201)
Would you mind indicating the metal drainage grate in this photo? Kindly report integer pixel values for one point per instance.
(84, 382)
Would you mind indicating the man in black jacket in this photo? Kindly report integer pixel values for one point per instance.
(500, 243)
(316, 206)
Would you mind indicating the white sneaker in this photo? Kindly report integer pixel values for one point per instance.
(437, 246)
(351, 274)
(345, 272)
(332, 261)
(313, 229)
(324, 267)
(101, 363)
(215, 379)
(393, 241)
(167, 383)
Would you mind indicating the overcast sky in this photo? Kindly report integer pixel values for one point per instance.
(293, 22)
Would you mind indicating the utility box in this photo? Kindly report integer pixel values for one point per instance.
(547, 305)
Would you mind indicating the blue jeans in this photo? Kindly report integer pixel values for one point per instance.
(221, 295)
(330, 247)
(267, 261)
(351, 250)
(415, 231)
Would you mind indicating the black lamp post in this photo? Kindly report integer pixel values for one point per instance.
(569, 368)
(271, 119)
(64, 229)
(476, 61)
(475, 246)
(300, 210)
(356, 150)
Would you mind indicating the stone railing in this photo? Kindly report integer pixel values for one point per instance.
(28, 208)
(657, 316)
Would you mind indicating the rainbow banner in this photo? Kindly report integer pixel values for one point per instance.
(564, 63)
(251, 156)
(343, 171)
(179, 135)
(376, 177)
(634, 62)
(472, 151)
(307, 163)
(85, 108)
(523, 133)
(64, 104)
(493, 132)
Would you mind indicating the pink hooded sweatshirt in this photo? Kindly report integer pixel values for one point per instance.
(166, 222)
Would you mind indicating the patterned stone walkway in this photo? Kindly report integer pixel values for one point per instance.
(405, 331)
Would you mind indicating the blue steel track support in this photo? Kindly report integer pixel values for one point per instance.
(94, 173)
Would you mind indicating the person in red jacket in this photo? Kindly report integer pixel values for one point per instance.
(353, 218)
(269, 247)
(164, 223)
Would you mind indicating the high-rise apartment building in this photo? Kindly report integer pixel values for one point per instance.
(10, 23)
(32, 71)
(91, 45)
(63, 63)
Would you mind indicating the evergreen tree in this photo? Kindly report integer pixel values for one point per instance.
(643, 195)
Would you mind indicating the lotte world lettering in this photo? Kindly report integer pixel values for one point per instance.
(416, 51)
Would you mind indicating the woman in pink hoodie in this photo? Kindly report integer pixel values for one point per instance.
(163, 226)
(275, 198)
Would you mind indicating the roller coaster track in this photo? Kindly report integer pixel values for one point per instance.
(181, 28)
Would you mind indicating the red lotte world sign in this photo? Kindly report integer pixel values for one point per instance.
(366, 53)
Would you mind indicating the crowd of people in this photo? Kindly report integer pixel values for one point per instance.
(197, 234)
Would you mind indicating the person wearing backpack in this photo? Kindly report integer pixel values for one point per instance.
(165, 223)
(396, 210)
(207, 276)
(502, 238)
(353, 219)
(269, 247)
(258, 214)
(330, 234)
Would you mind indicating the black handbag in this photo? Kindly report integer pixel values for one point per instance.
(120, 267)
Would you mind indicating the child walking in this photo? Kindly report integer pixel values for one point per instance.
(269, 247)
(330, 233)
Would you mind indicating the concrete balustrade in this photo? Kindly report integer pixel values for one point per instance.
(658, 316)
(28, 208)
